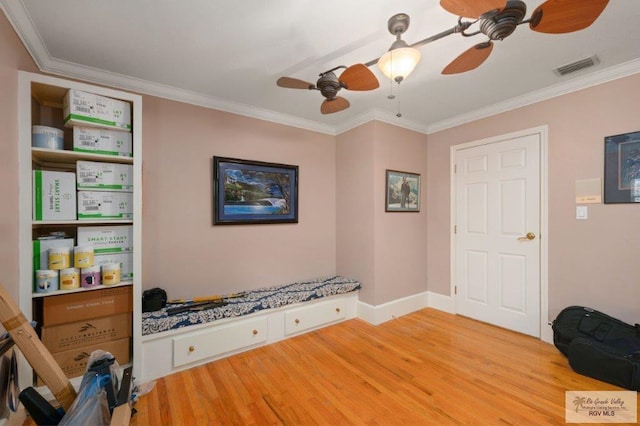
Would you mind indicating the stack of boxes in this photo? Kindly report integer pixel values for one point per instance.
(76, 324)
(95, 191)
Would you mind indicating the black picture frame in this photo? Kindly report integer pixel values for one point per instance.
(254, 192)
(622, 168)
(402, 191)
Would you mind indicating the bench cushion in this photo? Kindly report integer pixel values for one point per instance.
(253, 301)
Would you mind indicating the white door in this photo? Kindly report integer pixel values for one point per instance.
(497, 239)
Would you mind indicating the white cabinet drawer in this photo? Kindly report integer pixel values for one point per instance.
(218, 340)
(305, 318)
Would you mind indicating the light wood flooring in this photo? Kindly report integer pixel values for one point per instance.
(428, 367)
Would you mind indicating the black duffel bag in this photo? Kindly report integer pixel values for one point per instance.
(616, 361)
(579, 321)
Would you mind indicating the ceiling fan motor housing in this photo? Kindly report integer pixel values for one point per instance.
(504, 23)
(329, 85)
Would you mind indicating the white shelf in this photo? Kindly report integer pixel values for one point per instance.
(80, 290)
(61, 156)
(82, 222)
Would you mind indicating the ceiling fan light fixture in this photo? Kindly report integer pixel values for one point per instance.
(399, 61)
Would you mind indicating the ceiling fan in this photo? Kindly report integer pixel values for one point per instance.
(497, 19)
(356, 77)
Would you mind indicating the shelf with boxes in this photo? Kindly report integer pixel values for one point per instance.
(80, 146)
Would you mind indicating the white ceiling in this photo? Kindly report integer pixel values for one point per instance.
(229, 54)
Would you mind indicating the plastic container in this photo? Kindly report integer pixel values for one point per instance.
(59, 258)
(69, 279)
(110, 273)
(46, 280)
(47, 137)
(83, 256)
(90, 277)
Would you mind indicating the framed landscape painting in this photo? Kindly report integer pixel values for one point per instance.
(403, 192)
(246, 192)
(622, 168)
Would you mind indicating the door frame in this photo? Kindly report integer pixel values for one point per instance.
(546, 334)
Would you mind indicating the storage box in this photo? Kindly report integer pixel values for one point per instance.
(74, 362)
(124, 259)
(87, 109)
(41, 253)
(105, 205)
(66, 308)
(106, 239)
(64, 337)
(91, 175)
(102, 141)
(54, 195)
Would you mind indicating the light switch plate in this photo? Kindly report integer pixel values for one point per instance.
(581, 212)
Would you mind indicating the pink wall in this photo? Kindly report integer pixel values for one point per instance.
(355, 202)
(385, 251)
(591, 262)
(188, 256)
(13, 57)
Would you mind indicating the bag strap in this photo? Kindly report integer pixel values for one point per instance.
(13, 387)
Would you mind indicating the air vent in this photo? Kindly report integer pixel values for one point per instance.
(577, 65)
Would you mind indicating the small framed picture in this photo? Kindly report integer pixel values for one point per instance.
(246, 192)
(622, 168)
(403, 192)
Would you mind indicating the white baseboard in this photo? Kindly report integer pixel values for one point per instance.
(440, 302)
(396, 308)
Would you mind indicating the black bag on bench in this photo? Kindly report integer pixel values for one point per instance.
(576, 321)
(616, 362)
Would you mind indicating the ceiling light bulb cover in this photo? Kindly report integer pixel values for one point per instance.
(399, 62)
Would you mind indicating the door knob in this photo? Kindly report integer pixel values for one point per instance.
(529, 236)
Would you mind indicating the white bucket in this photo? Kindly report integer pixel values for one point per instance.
(46, 280)
(110, 273)
(83, 256)
(47, 137)
(69, 279)
(59, 257)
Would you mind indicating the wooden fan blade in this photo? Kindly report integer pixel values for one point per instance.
(566, 16)
(359, 77)
(329, 106)
(472, 8)
(294, 83)
(470, 59)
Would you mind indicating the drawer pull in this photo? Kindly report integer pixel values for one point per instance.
(338, 310)
(191, 348)
(255, 332)
(297, 321)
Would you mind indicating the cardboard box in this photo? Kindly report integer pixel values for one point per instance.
(92, 175)
(124, 259)
(64, 337)
(102, 141)
(87, 109)
(54, 195)
(66, 308)
(74, 362)
(41, 253)
(106, 239)
(105, 205)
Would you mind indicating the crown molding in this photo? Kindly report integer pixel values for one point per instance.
(599, 77)
(21, 21)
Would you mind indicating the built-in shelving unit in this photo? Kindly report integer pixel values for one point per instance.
(41, 103)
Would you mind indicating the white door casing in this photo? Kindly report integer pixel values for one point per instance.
(498, 193)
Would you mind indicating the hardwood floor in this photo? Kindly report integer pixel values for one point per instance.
(428, 367)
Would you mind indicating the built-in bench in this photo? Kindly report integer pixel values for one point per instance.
(174, 342)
